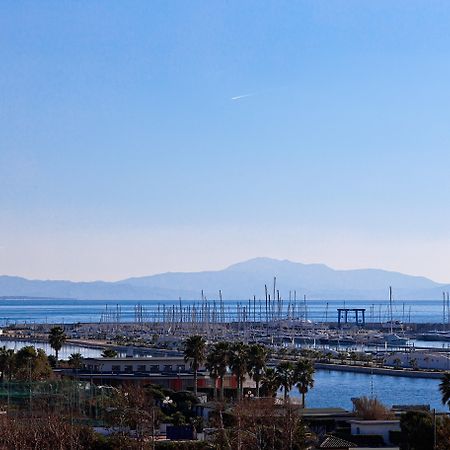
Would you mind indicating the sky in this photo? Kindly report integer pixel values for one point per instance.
(143, 137)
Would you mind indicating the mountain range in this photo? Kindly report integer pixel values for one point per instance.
(238, 281)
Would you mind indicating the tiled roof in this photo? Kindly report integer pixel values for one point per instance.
(336, 442)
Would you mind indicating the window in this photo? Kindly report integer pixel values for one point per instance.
(141, 368)
(167, 368)
(128, 369)
(154, 368)
(116, 369)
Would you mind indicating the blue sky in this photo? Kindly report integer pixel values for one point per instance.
(123, 153)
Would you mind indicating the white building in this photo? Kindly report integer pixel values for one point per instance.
(421, 359)
(375, 427)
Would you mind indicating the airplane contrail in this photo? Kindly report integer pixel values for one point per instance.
(238, 97)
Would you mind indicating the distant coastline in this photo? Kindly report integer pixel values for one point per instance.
(28, 297)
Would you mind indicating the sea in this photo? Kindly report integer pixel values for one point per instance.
(73, 311)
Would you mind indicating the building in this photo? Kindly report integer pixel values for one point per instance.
(165, 364)
(381, 428)
(419, 359)
(171, 372)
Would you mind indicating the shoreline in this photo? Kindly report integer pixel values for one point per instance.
(379, 370)
(76, 342)
(387, 371)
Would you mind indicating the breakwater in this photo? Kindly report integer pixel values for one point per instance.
(379, 370)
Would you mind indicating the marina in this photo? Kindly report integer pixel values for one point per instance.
(72, 311)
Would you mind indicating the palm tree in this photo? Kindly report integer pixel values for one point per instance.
(258, 355)
(109, 353)
(56, 338)
(397, 362)
(223, 352)
(444, 387)
(270, 382)
(238, 364)
(216, 363)
(75, 360)
(285, 374)
(304, 377)
(194, 350)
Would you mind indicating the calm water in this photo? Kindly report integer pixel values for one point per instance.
(64, 353)
(334, 388)
(70, 311)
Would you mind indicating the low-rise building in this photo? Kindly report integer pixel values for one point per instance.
(171, 372)
(381, 428)
(165, 364)
(419, 359)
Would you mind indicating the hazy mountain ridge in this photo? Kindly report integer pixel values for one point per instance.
(238, 281)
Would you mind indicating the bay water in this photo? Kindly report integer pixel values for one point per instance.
(72, 311)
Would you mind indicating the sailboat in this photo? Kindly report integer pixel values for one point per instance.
(392, 338)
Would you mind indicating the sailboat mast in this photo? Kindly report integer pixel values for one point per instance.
(443, 311)
(390, 308)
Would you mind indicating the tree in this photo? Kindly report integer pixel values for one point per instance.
(46, 432)
(261, 425)
(270, 383)
(443, 434)
(75, 360)
(417, 430)
(397, 362)
(353, 357)
(285, 374)
(56, 338)
(109, 353)
(32, 364)
(52, 361)
(258, 356)
(7, 362)
(194, 351)
(304, 377)
(238, 364)
(216, 363)
(131, 408)
(444, 387)
(371, 409)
